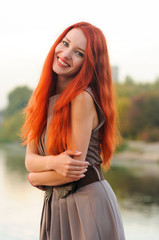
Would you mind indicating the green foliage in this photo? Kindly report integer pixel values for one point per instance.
(138, 107)
(129, 80)
(10, 127)
(13, 117)
(18, 99)
(122, 147)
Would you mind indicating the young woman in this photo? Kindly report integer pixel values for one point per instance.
(70, 131)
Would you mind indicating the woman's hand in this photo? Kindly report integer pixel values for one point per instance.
(69, 167)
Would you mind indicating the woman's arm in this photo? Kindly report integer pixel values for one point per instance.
(51, 178)
(60, 163)
(34, 162)
(83, 120)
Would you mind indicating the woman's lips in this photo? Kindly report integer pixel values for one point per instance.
(62, 63)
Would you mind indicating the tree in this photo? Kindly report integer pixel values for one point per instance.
(156, 84)
(13, 117)
(17, 99)
(142, 117)
(129, 80)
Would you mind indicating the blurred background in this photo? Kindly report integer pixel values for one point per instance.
(27, 31)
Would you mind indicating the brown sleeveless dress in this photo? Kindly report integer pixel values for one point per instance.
(92, 212)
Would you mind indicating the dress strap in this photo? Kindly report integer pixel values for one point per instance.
(101, 116)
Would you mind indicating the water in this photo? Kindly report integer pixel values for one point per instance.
(136, 186)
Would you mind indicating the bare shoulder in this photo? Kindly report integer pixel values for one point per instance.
(83, 105)
(84, 99)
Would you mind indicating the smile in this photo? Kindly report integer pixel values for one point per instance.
(62, 63)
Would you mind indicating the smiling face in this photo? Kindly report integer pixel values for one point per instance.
(69, 54)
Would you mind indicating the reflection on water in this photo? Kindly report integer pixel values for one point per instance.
(136, 186)
(20, 205)
(14, 158)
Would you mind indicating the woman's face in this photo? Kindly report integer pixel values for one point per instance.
(69, 54)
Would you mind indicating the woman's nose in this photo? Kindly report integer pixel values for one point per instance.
(67, 53)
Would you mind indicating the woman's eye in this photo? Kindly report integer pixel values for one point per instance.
(65, 43)
(79, 54)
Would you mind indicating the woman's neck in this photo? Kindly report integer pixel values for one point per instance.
(62, 84)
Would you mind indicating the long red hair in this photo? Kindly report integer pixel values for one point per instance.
(96, 73)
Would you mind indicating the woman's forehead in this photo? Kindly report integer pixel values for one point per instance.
(77, 37)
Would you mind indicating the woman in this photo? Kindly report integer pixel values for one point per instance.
(70, 131)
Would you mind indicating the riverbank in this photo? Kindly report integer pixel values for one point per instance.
(135, 151)
(139, 151)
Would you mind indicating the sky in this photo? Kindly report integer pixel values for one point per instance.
(29, 28)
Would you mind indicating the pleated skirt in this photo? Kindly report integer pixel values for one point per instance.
(91, 213)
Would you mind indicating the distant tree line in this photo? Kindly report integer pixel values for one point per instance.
(12, 114)
(138, 107)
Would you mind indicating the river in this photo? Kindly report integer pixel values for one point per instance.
(136, 186)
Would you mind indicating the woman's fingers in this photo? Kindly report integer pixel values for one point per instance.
(72, 152)
(75, 171)
(78, 173)
(75, 162)
(75, 177)
(79, 163)
(71, 167)
(77, 168)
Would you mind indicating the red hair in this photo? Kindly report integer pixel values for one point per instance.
(96, 73)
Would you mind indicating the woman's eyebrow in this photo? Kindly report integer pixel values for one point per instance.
(81, 49)
(67, 39)
(77, 47)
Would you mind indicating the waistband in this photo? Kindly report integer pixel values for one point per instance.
(93, 174)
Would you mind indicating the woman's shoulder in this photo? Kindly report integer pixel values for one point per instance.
(83, 103)
(84, 98)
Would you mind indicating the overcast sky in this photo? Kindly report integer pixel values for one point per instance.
(28, 29)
